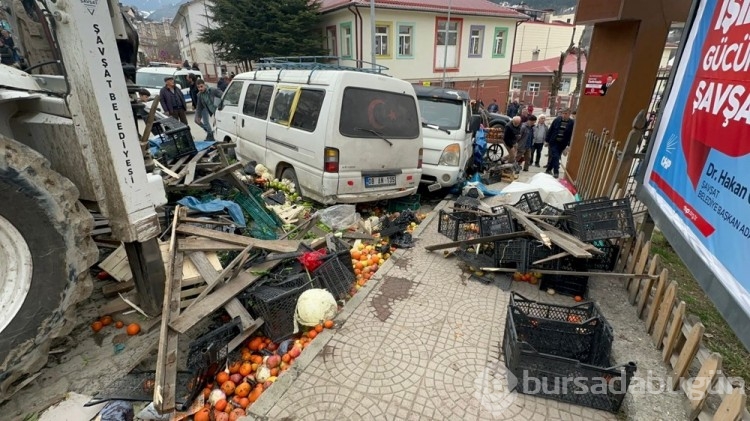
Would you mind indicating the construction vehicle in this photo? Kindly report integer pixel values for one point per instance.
(69, 144)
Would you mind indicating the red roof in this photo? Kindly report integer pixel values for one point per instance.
(549, 66)
(463, 7)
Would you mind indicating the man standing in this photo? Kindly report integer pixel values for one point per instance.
(205, 107)
(511, 136)
(513, 108)
(223, 83)
(527, 140)
(193, 88)
(172, 100)
(493, 107)
(558, 138)
(540, 136)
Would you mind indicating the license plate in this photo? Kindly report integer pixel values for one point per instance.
(389, 180)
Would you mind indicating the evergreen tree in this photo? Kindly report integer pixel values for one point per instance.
(250, 29)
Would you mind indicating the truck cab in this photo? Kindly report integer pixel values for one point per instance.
(446, 120)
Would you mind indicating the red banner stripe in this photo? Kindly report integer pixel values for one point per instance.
(692, 215)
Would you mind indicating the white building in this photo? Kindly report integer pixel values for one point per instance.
(410, 39)
(188, 23)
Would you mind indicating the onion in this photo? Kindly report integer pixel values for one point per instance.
(215, 396)
(262, 374)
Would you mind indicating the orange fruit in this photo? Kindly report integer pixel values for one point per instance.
(274, 371)
(222, 378)
(234, 367)
(328, 324)
(312, 334)
(106, 320)
(246, 354)
(356, 254)
(243, 389)
(244, 403)
(228, 387)
(255, 394)
(255, 343)
(245, 369)
(286, 358)
(133, 329)
(97, 326)
(119, 324)
(221, 405)
(578, 298)
(318, 328)
(359, 265)
(202, 415)
(256, 359)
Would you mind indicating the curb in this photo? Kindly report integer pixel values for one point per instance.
(260, 409)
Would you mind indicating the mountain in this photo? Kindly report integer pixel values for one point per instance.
(156, 10)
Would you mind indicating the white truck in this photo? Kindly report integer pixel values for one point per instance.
(69, 144)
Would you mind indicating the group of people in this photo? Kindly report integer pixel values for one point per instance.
(525, 140)
(203, 97)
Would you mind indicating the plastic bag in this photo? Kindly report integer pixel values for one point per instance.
(339, 217)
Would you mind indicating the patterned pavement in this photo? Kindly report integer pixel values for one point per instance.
(423, 344)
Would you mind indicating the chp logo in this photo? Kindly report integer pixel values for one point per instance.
(494, 388)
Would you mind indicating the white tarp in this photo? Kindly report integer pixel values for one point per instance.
(552, 192)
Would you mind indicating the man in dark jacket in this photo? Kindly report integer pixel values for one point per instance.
(511, 137)
(526, 143)
(558, 138)
(513, 108)
(205, 107)
(193, 87)
(172, 100)
(223, 83)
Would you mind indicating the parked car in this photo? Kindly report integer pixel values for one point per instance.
(342, 136)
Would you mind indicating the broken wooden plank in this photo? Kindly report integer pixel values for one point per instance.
(190, 175)
(221, 296)
(209, 274)
(569, 272)
(237, 180)
(481, 240)
(202, 244)
(181, 187)
(284, 246)
(211, 283)
(166, 170)
(166, 359)
(220, 173)
(568, 246)
(569, 237)
(111, 290)
(184, 170)
(117, 304)
(534, 230)
(237, 341)
(551, 258)
(116, 265)
(204, 221)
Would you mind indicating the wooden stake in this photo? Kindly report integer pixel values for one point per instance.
(697, 391)
(687, 354)
(675, 330)
(665, 310)
(645, 290)
(653, 310)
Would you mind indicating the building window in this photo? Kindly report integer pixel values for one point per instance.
(533, 87)
(331, 40)
(405, 39)
(346, 40)
(500, 41)
(565, 84)
(382, 39)
(476, 41)
(516, 84)
(446, 51)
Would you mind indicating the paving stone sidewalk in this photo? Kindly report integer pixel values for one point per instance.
(422, 345)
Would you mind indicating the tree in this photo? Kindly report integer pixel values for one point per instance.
(247, 30)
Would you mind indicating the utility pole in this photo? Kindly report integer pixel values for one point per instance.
(373, 56)
(445, 43)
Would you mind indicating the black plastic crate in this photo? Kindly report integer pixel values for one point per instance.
(530, 202)
(538, 251)
(499, 223)
(458, 226)
(176, 140)
(600, 219)
(336, 275)
(566, 351)
(550, 210)
(570, 285)
(276, 305)
(485, 257)
(606, 261)
(512, 254)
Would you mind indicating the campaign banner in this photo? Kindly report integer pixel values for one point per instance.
(699, 169)
(599, 84)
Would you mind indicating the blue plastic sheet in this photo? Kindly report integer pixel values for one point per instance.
(476, 181)
(216, 205)
(155, 141)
